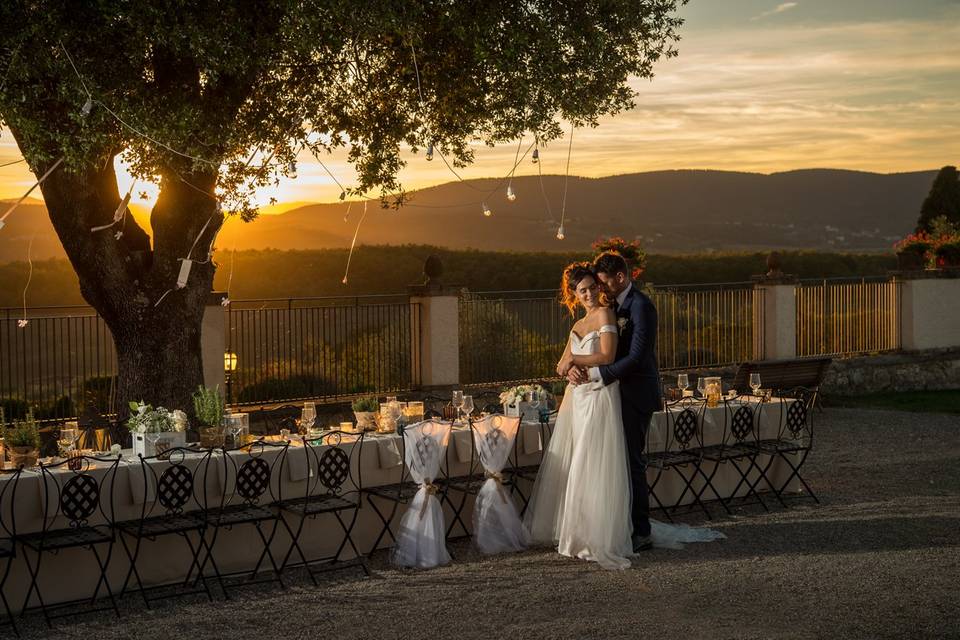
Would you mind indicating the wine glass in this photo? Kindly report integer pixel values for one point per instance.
(308, 415)
(683, 382)
(468, 406)
(67, 439)
(234, 427)
(533, 397)
(702, 386)
(458, 401)
(755, 382)
(152, 437)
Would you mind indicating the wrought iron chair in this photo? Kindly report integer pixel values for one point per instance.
(81, 496)
(169, 486)
(8, 550)
(682, 436)
(257, 483)
(399, 493)
(738, 447)
(794, 440)
(331, 489)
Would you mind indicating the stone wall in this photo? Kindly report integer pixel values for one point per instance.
(933, 369)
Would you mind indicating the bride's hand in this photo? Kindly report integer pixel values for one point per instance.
(563, 367)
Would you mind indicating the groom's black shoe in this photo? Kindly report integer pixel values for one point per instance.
(642, 543)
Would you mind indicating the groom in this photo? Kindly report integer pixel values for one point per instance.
(636, 369)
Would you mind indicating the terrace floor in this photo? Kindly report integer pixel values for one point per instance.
(879, 558)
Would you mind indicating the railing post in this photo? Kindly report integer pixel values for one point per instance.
(439, 334)
(930, 313)
(213, 341)
(777, 318)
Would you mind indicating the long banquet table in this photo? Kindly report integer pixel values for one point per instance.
(72, 573)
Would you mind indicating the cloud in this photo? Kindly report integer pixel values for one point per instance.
(785, 6)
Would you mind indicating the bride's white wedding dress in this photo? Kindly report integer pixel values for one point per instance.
(581, 498)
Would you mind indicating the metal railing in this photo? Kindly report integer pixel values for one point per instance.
(323, 348)
(517, 336)
(848, 317)
(59, 363)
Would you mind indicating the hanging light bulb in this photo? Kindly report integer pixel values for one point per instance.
(511, 196)
(486, 210)
(343, 194)
(536, 155)
(344, 281)
(292, 169)
(560, 234)
(87, 107)
(430, 151)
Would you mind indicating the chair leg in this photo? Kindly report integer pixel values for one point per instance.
(688, 482)
(207, 545)
(266, 545)
(104, 564)
(295, 544)
(744, 478)
(795, 473)
(386, 522)
(194, 563)
(457, 510)
(34, 574)
(347, 532)
(3, 597)
(766, 478)
(708, 483)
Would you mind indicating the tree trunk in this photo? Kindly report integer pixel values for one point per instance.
(156, 326)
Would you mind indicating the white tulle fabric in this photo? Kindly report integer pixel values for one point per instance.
(496, 523)
(581, 498)
(421, 537)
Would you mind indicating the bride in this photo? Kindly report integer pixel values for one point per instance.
(581, 498)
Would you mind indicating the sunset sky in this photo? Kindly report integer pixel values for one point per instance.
(759, 85)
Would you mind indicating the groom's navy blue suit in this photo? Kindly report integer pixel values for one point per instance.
(636, 369)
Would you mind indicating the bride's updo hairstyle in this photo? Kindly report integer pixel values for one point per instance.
(572, 276)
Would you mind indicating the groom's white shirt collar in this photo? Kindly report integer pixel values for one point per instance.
(623, 295)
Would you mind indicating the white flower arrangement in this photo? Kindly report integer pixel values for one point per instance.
(518, 394)
(145, 419)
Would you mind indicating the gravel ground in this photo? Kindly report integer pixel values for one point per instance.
(878, 558)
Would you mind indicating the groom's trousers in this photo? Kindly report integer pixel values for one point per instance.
(636, 436)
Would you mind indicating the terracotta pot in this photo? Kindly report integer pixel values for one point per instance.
(25, 456)
(366, 420)
(211, 437)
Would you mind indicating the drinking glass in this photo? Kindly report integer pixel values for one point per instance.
(755, 382)
(458, 401)
(307, 417)
(468, 405)
(68, 438)
(683, 381)
(152, 437)
(234, 427)
(702, 386)
(533, 397)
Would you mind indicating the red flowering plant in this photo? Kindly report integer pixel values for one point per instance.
(946, 251)
(632, 252)
(914, 251)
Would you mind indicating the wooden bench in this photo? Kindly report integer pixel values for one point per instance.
(783, 374)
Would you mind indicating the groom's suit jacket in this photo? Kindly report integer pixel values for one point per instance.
(636, 363)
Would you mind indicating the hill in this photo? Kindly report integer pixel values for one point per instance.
(674, 211)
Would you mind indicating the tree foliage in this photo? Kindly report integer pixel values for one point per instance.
(942, 201)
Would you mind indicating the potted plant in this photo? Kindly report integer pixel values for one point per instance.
(156, 430)
(365, 411)
(947, 252)
(912, 251)
(24, 441)
(208, 409)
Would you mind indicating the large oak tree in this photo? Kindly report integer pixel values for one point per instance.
(212, 98)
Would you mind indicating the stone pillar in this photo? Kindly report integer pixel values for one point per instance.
(930, 313)
(213, 339)
(439, 334)
(778, 319)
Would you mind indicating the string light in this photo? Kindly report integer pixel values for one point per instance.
(566, 181)
(486, 210)
(119, 214)
(535, 158)
(346, 216)
(87, 107)
(23, 322)
(430, 151)
(29, 191)
(292, 170)
(511, 196)
(353, 244)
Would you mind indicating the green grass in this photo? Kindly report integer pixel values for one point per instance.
(918, 401)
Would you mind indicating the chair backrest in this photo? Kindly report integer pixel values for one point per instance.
(255, 471)
(424, 450)
(334, 469)
(684, 424)
(172, 482)
(796, 417)
(739, 422)
(77, 490)
(494, 438)
(8, 517)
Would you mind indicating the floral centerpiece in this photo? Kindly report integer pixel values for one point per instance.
(155, 430)
(913, 252)
(515, 403)
(365, 410)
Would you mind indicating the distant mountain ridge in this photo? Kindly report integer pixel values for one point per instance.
(681, 211)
